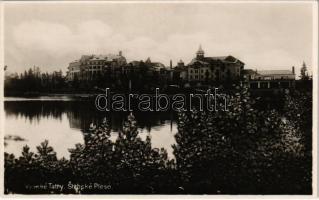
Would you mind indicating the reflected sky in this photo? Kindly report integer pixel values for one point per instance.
(63, 124)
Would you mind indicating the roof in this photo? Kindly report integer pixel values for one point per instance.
(107, 57)
(181, 61)
(224, 59)
(273, 72)
(198, 61)
(249, 71)
(212, 60)
(158, 64)
(134, 63)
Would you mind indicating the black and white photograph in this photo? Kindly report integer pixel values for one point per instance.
(159, 98)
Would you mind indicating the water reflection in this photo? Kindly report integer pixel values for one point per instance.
(64, 122)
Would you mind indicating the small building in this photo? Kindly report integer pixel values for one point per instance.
(270, 79)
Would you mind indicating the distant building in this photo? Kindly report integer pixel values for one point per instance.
(154, 66)
(90, 66)
(179, 72)
(57, 74)
(146, 67)
(270, 79)
(219, 69)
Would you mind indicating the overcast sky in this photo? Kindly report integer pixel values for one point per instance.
(262, 35)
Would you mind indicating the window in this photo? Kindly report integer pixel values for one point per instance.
(267, 78)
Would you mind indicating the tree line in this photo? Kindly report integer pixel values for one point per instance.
(32, 81)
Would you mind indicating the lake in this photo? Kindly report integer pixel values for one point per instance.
(63, 122)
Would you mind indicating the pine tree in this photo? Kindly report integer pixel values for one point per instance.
(304, 72)
(236, 151)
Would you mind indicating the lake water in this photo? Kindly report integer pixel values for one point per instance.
(63, 122)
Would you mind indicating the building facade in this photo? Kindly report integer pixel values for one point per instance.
(219, 69)
(88, 67)
(270, 79)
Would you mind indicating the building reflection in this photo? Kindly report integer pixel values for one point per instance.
(81, 114)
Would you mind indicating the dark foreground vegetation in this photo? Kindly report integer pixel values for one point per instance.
(242, 151)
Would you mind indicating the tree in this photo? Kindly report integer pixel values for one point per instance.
(304, 72)
(243, 150)
(128, 164)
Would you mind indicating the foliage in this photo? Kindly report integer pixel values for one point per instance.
(304, 72)
(32, 81)
(127, 165)
(240, 151)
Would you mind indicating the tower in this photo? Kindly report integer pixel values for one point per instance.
(200, 53)
(180, 63)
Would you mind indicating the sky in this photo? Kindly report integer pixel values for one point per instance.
(262, 35)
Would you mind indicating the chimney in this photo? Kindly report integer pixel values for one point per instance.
(293, 69)
(170, 64)
(120, 53)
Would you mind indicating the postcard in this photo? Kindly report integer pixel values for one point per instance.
(159, 98)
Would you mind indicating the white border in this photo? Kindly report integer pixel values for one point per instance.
(2, 114)
(315, 101)
(315, 104)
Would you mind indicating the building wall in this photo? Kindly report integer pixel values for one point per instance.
(214, 72)
(88, 67)
(199, 73)
(275, 76)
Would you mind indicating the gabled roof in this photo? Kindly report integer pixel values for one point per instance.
(198, 61)
(213, 60)
(224, 59)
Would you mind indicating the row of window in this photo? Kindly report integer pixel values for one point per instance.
(95, 67)
(196, 71)
(202, 77)
(272, 78)
(96, 62)
(196, 77)
(265, 85)
(202, 71)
